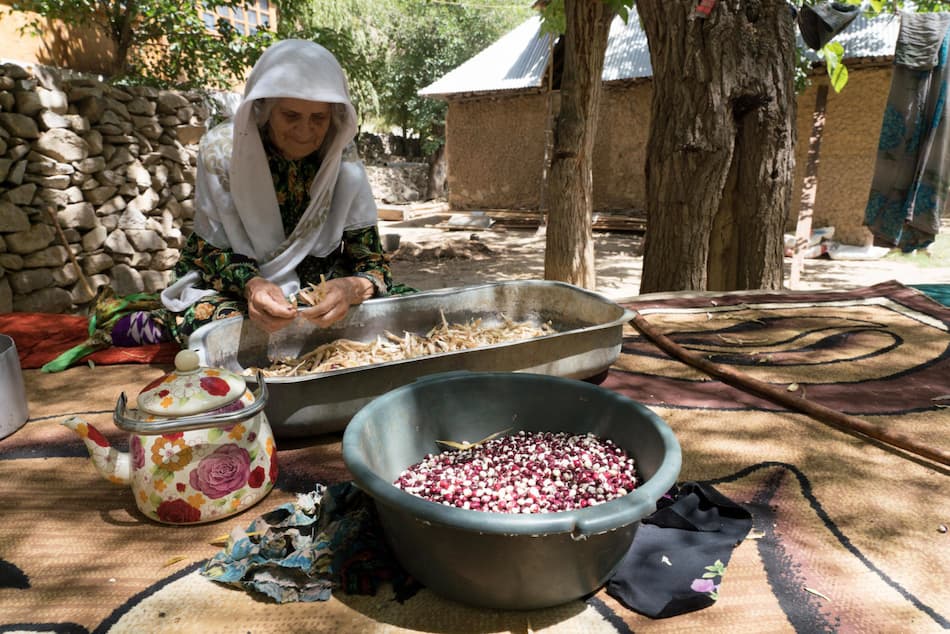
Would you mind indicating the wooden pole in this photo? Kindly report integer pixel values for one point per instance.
(548, 138)
(786, 398)
(809, 187)
(69, 252)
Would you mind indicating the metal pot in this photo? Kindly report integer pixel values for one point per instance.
(200, 446)
(14, 412)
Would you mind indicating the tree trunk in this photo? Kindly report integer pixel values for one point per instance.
(569, 249)
(123, 14)
(720, 161)
(438, 173)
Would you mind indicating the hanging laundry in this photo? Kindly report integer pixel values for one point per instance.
(910, 182)
(821, 22)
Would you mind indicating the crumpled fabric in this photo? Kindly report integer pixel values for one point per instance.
(329, 539)
(680, 553)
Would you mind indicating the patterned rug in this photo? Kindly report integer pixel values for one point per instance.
(849, 534)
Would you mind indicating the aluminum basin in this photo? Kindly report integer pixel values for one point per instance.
(586, 342)
(501, 560)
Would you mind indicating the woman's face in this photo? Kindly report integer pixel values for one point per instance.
(298, 127)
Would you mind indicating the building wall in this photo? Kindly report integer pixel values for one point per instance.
(60, 45)
(847, 152)
(495, 150)
(620, 148)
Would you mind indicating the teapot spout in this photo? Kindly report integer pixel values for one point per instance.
(114, 465)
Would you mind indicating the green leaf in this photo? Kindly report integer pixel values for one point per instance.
(833, 54)
(839, 77)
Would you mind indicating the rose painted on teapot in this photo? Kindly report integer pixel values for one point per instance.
(200, 450)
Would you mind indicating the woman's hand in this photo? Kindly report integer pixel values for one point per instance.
(267, 306)
(340, 294)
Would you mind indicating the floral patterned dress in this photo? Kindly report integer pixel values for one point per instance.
(360, 254)
(909, 189)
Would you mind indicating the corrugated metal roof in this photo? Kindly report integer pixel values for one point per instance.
(518, 60)
(628, 56)
(865, 37)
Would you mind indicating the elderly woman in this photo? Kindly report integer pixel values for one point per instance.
(281, 201)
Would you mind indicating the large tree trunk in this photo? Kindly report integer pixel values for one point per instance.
(720, 162)
(569, 249)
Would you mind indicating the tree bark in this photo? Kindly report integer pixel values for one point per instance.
(438, 174)
(569, 248)
(123, 15)
(720, 161)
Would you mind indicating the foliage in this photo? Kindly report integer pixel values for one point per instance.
(426, 40)
(833, 52)
(390, 49)
(354, 31)
(893, 6)
(159, 42)
(553, 19)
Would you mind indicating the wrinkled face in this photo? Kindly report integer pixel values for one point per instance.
(298, 127)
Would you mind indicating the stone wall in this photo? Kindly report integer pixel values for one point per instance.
(96, 187)
(97, 184)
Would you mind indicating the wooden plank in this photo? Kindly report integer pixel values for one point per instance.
(411, 210)
(390, 212)
(602, 221)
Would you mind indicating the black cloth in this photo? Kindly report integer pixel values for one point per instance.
(821, 22)
(679, 553)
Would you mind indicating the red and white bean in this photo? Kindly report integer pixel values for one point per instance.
(526, 472)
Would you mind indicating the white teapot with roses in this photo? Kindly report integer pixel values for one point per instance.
(200, 447)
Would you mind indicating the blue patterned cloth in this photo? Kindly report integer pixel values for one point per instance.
(329, 539)
(910, 183)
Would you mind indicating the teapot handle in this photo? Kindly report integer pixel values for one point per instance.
(125, 421)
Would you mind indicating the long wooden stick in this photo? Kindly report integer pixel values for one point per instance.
(69, 252)
(785, 398)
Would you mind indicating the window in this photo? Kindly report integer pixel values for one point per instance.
(257, 14)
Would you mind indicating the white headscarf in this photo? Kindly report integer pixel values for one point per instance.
(235, 202)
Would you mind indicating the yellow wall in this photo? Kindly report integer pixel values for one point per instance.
(61, 46)
(495, 149)
(847, 152)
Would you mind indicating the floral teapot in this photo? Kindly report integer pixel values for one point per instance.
(200, 448)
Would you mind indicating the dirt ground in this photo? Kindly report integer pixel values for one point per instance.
(430, 257)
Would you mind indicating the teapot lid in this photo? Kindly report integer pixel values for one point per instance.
(190, 389)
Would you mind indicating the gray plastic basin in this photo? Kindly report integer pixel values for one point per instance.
(502, 560)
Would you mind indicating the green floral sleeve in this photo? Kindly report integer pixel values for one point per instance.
(221, 269)
(363, 255)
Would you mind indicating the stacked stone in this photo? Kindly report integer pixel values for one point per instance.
(96, 187)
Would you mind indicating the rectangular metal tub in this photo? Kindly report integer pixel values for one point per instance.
(587, 341)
